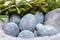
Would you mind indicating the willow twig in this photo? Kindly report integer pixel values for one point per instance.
(7, 8)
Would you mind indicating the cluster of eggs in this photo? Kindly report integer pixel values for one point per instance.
(28, 26)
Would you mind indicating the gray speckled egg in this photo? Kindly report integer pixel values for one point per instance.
(39, 17)
(26, 34)
(15, 18)
(11, 29)
(46, 30)
(28, 22)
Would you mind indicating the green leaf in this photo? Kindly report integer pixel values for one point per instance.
(2, 20)
(41, 1)
(18, 10)
(13, 1)
(6, 12)
(22, 2)
(2, 16)
(2, 1)
(51, 4)
(29, 5)
(23, 9)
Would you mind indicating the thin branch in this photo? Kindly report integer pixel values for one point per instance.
(7, 8)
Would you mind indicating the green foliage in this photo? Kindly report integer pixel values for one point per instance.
(51, 4)
(32, 6)
(2, 1)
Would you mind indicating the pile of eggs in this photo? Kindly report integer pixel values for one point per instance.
(28, 26)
